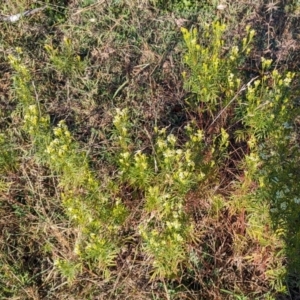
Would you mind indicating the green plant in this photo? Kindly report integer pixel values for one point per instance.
(165, 176)
(275, 152)
(214, 79)
(212, 75)
(65, 59)
(68, 269)
(86, 202)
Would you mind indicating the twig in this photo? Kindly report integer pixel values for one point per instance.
(88, 7)
(17, 17)
(236, 95)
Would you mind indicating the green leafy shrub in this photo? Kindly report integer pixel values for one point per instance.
(266, 112)
(164, 176)
(269, 119)
(91, 206)
(213, 77)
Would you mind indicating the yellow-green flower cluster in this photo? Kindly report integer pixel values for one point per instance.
(23, 72)
(119, 214)
(98, 216)
(252, 161)
(31, 119)
(288, 79)
(248, 40)
(133, 167)
(265, 63)
(234, 53)
(224, 138)
(140, 169)
(178, 164)
(155, 199)
(76, 208)
(124, 161)
(59, 148)
(121, 124)
(140, 161)
(35, 124)
(172, 156)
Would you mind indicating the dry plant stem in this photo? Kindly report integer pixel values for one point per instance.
(122, 86)
(243, 88)
(17, 17)
(153, 149)
(92, 6)
(166, 290)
